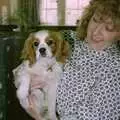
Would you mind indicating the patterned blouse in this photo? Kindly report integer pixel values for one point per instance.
(90, 86)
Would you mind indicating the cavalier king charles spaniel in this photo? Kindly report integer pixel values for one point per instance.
(44, 54)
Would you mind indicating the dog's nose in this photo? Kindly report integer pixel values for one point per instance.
(42, 50)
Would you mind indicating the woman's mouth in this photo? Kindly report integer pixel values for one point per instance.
(97, 39)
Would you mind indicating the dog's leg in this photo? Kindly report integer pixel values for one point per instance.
(36, 102)
(52, 102)
(23, 91)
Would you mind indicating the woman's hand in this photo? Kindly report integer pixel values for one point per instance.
(32, 109)
(37, 82)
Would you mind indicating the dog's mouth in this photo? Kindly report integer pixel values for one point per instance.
(43, 55)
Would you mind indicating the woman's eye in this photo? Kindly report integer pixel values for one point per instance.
(49, 42)
(36, 44)
(97, 19)
(109, 28)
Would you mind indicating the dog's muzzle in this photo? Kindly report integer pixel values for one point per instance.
(42, 51)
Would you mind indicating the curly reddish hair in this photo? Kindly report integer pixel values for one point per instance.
(109, 8)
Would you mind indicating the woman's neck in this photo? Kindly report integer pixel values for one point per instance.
(98, 46)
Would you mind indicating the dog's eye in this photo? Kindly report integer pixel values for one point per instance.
(36, 44)
(49, 42)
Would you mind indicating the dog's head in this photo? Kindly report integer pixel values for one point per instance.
(45, 44)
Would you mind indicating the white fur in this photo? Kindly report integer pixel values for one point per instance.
(24, 72)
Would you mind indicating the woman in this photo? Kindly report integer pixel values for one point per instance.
(90, 86)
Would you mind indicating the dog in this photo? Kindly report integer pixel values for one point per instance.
(44, 54)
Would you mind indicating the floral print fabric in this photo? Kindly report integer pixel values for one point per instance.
(90, 85)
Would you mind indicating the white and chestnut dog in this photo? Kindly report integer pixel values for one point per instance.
(44, 54)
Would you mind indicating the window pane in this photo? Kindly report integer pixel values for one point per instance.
(83, 3)
(72, 4)
(52, 4)
(43, 4)
(74, 10)
(52, 17)
(49, 4)
(43, 17)
(48, 12)
(71, 17)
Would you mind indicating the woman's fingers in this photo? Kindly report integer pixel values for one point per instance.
(32, 109)
(37, 82)
(38, 85)
(30, 99)
(31, 104)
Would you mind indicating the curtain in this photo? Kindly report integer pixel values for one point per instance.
(30, 11)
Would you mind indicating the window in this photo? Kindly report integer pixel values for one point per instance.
(74, 10)
(48, 12)
(71, 10)
(51, 12)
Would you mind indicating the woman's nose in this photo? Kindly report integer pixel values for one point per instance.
(98, 29)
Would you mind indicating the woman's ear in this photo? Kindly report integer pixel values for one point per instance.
(28, 52)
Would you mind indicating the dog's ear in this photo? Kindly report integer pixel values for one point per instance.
(63, 51)
(28, 52)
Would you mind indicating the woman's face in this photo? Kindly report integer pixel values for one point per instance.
(101, 32)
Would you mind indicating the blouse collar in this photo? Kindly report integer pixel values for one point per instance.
(112, 49)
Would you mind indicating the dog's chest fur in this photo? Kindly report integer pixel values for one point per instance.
(48, 69)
